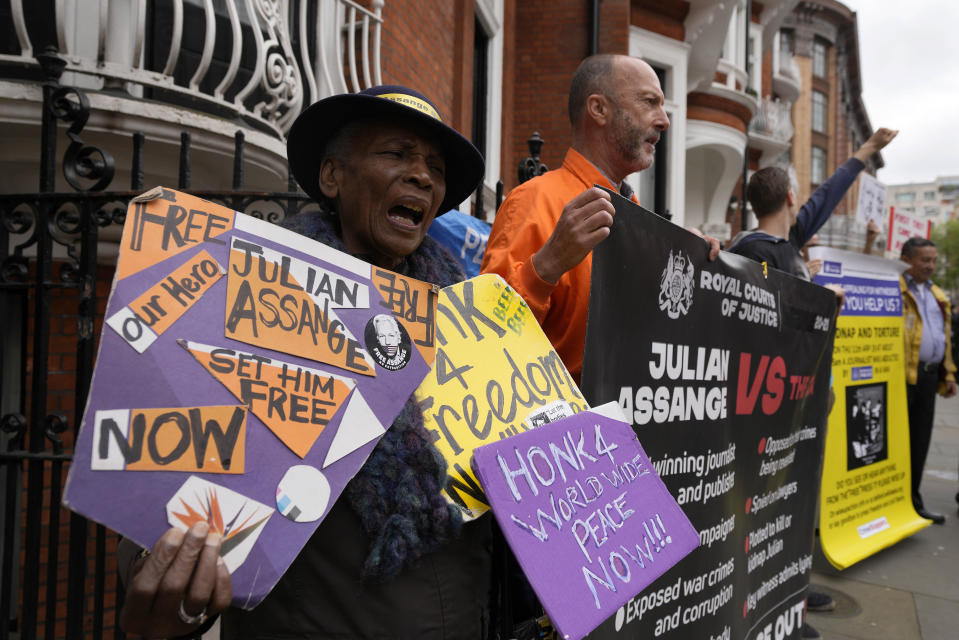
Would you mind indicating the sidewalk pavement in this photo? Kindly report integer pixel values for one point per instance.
(911, 590)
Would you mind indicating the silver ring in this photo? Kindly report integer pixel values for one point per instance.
(186, 618)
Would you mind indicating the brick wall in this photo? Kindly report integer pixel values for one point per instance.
(766, 87)
(544, 42)
(549, 40)
(665, 17)
(426, 64)
(62, 398)
(841, 148)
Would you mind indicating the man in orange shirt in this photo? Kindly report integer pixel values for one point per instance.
(545, 231)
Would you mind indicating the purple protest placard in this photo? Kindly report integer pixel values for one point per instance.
(585, 514)
(245, 374)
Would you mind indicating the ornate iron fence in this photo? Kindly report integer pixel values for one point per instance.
(57, 577)
(259, 60)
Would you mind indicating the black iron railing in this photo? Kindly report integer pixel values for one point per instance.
(57, 574)
(38, 232)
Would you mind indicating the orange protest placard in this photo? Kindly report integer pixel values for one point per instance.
(294, 402)
(140, 322)
(204, 439)
(267, 305)
(413, 303)
(165, 223)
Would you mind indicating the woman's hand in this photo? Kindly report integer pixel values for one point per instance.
(178, 585)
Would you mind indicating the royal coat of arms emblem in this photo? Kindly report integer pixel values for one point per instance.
(676, 286)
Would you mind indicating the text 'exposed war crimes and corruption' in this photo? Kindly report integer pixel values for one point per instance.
(685, 588)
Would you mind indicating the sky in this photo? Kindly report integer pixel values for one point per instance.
(909, 61)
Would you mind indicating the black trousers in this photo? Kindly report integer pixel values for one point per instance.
(921, 398)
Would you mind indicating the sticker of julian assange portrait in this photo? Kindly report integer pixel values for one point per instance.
(388, 342)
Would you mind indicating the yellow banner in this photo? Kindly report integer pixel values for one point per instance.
(866, 502)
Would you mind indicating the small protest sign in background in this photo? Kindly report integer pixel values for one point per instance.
(903, 226)
(871, 199)
(588, 519)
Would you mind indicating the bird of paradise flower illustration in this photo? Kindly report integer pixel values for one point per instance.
(234, 531)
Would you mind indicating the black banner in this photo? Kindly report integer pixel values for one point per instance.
(720, 368)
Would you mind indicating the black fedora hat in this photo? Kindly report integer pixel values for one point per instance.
(313, 128)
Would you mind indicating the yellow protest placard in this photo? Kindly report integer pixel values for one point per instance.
(866, 501)
(495, 374)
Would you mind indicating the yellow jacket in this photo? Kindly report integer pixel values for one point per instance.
(912, 335)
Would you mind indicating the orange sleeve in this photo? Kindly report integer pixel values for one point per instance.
(520, 229)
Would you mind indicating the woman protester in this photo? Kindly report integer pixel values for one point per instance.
(392, 559)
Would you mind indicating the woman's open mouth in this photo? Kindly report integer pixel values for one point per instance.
(406, 215)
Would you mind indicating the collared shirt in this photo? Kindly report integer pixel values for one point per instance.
(524, 222)
(933, 346)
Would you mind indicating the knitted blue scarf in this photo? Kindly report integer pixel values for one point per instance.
(397, 494)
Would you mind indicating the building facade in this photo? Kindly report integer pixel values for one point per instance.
(101, 99)
(937, 201)
(828, 114)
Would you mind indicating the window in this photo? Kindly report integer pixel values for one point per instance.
(786, 42)
(755, 69)
(652, 182)
(931, 211)
(819, 59)
(929, 195)
(736, 35)
(907, 197)
(819, 102)
(670, 58)
(480, 85)
(487, 99)
(818, 169)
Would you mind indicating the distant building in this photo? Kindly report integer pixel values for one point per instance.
(812, 71)
(937, 201)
